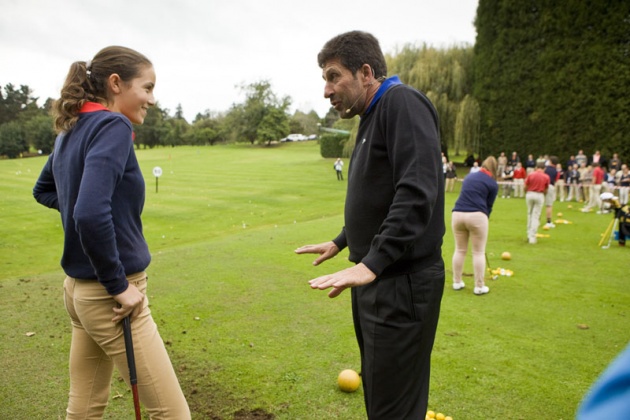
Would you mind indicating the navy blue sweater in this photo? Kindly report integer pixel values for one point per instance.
(478, 193)
(94, 180)
(394, 212)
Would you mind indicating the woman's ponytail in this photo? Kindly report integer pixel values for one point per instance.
(87, 81)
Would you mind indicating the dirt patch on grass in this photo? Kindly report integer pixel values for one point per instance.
(208, 400)
(257, 414)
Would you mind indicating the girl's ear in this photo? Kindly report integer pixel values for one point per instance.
(115, 83)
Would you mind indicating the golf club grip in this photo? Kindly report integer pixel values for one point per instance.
(131, 360)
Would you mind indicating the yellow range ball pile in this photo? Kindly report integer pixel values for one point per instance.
(501, 272)
(432, 415)
(562, 222)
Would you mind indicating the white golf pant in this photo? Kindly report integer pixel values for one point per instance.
(534, 202)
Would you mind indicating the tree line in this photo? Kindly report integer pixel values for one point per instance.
(261, 118)
(541, 78)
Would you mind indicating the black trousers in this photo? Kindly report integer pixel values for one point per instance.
(624, 230)
(395, 320)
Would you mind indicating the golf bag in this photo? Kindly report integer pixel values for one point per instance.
(623, 215)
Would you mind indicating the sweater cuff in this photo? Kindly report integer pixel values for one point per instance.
(116, 285)
(375, 264)
(340, 240)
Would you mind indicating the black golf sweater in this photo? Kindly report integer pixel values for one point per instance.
(394, 210)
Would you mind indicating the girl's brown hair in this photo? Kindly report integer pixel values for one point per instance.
(88, 81)
(491, 165)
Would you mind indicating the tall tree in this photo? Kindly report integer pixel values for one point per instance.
(12, 140)
(444, 75)
(40, 134)
(273, 125)
(154, 130)
(304, 123)
(14, 101)
(553, 77)
(179, 112)
(259, 101)
(206, 129)
(177, 131)
(467, 126)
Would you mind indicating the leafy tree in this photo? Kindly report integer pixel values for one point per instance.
(347, 141)
(14, 101)
(444, 75)
(304, 123)
(177, 132)
(154, 130)
(467, 126)
(12, 140)
(48, 106)
(259, 101)
(199, 136)
(331, 117)
(272, 126)
(40, 134)
(206, 129)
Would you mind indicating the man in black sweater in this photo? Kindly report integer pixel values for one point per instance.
(394, 224)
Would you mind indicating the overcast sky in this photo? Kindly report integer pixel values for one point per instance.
(203, 50)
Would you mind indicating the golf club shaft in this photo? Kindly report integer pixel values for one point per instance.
(131, 362)
(608, 232)
(611, 234)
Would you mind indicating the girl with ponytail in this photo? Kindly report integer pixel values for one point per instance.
(93, 179)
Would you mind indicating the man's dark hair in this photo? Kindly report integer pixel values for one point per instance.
(354, 49)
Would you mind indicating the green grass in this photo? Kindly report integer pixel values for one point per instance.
(222, 229)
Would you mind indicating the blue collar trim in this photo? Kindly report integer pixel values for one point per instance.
(387, 83)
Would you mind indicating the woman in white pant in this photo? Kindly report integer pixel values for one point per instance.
(470, 221)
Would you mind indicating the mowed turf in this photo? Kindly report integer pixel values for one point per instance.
(247, 335)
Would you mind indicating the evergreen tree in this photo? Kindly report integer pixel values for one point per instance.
(553, 77)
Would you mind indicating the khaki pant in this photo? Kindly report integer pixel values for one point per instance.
(560, 190)
(535, 201)
(473, 226)
(594, 200)
(574, 192)
(519, 187)
(98, 346)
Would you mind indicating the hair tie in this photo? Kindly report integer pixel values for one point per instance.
(88, 70)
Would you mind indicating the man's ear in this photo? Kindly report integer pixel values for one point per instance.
(367, 71)
(115, 83)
